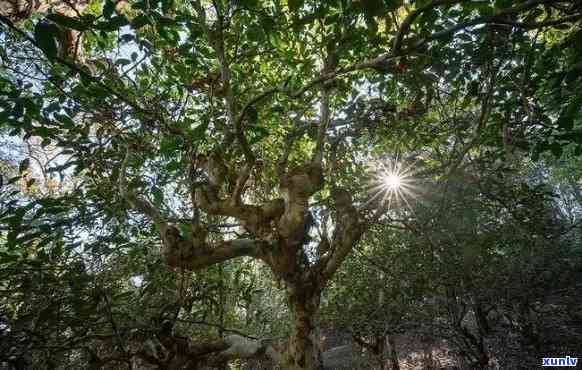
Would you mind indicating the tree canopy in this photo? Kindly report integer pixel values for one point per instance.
(195, 183)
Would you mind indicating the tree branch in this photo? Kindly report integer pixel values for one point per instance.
(348, 230)
(397, 50)
(136, 201)
(74, 67)
(220, 252)
(323, 125)
(411, 17)
(329, 76)
(216, 39)
(254, 101)
(495, 20)
(123, 97)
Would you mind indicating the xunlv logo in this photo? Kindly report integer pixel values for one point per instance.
(559, 361)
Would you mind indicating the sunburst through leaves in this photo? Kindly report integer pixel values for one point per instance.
(392, 183)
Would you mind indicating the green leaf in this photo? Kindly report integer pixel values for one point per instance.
(167, 5)
(45, 35)
(274, 39)
(392, 5)
(24, 165)
(123, 61)
(246, 3)
(556, 149)
(173, 166)
(373, 8)
(185, 229)
(252, 114)
(18, 110)
(68, 22)
(168, 145)
(295, 5)
(65, 120)
(108, 9)
(158, 196)
(126, 38)
(124, 295)
(573, 110)
(8, 258)
(259, 133)
(140, 21)
(113, 24)
(62, 167)
(502, 4)
(13, 180)
(199, 131)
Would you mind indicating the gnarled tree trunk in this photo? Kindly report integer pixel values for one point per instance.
(303, 352)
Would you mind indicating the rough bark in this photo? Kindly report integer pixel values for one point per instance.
(303, 352)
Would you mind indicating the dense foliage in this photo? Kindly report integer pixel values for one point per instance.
(212, 183)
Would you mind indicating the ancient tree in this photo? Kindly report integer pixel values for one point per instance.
(258, 110)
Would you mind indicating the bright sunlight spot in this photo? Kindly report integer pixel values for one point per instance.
(392, 182)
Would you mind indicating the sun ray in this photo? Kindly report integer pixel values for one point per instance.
(392, 183)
